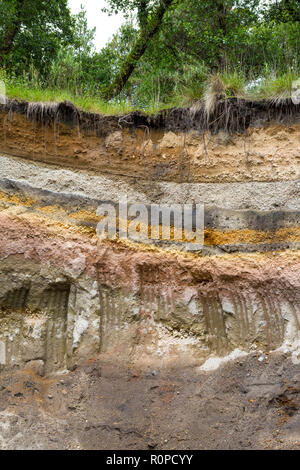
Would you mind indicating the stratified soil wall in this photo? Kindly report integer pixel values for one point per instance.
(68, 296)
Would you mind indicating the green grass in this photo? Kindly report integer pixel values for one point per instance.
(21, 89)
(276, 88)
(234, 84)
(86, 103)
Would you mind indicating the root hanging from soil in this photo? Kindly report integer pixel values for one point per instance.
(233, 115)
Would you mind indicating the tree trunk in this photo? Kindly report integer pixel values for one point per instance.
(146, 34)
(11, 33)
(222, 26)
(142, 13)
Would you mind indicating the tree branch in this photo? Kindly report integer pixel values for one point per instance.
(11, 33)
(146, 34)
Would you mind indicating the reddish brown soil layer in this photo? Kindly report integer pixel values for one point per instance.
(118, 264)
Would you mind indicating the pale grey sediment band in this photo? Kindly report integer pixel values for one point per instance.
(214, 217)
(261, 196)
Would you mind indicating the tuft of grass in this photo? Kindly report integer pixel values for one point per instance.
(276, 88)
(189, 85)
(234, 84)
(191, 93)
(215, 90)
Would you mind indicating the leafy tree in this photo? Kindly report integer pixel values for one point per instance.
(284, 11)
(195, 39)
(150, 15)
(71, 69)
(33, 31)
(163, 54)
(83, 36)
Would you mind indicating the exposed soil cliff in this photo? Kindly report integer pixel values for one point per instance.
(152, 310)
(160, 148)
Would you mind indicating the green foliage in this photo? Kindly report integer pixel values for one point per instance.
(284, 11)
(70, 69)
(149, 27)
(276, 88)
(33, 31)
(234, 84)
(144, 9)
(253, 46)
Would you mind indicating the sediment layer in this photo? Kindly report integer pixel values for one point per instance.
(135, 147)
(66, 295)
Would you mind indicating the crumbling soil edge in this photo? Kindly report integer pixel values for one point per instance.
(232, 115)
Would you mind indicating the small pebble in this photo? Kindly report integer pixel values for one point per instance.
(262, 358)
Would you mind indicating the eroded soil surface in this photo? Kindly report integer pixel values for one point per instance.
(249, 403)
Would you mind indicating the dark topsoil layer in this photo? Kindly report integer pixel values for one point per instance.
(231, 115)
